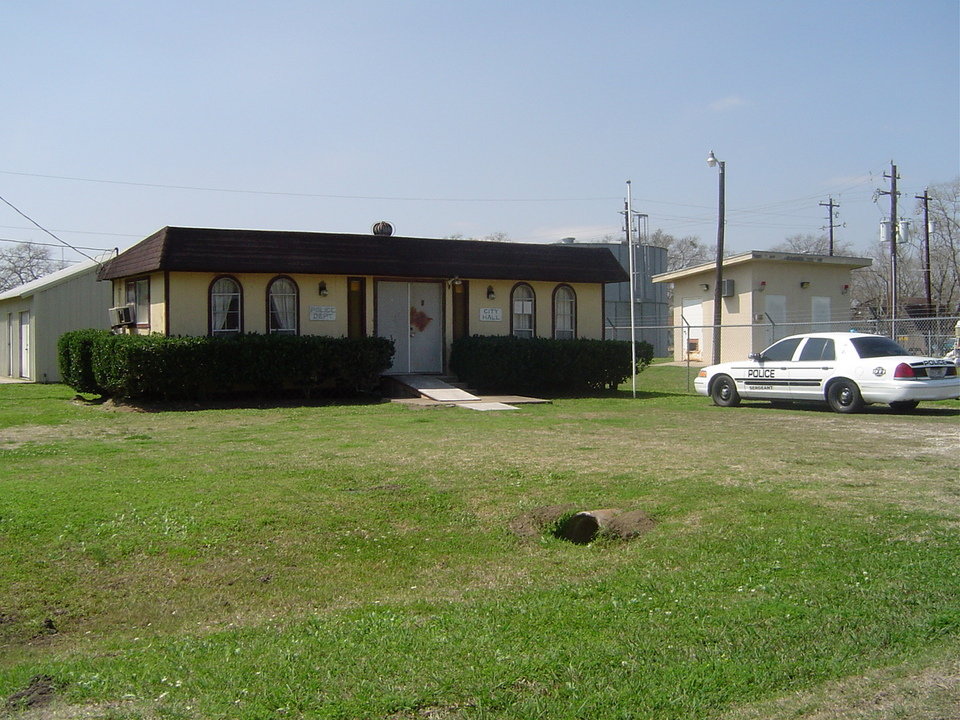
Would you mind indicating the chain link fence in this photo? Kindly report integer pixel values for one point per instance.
(931, 336)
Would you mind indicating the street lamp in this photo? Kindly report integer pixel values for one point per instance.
(718, 280)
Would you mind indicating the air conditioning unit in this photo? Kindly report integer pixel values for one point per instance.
(123, 315)
(726, 288)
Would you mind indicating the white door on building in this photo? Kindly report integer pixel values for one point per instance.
(411, 314)
(25, 344)
(8, 359)
(820, 314)
(775, 307)
(692, 331)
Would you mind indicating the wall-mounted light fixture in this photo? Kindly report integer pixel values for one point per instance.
(704, 286)
(322, 288)
(763, 285)
(491, 295)
(456, 281)
(804, 284)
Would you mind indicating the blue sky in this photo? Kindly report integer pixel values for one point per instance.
(519, 117)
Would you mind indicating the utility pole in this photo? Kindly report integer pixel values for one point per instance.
(894, 228)
(830, 218)
(926, 248)
(628, 213)
(718, 273)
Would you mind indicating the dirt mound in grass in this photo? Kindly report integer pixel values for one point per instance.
(39, 691)
(533, 523)
(581, 526)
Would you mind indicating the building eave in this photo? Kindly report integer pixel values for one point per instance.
(852, 263)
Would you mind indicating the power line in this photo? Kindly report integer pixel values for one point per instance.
(43, 244)
(304, 194)
(41, 227)
(74, 232)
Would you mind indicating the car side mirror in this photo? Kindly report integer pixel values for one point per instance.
(755, 356)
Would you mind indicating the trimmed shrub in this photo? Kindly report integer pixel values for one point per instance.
(75, 358)
(178, 368)
(510, 364)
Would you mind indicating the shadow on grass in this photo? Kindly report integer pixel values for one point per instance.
(238, 403)
(614, 395)
(817, 407)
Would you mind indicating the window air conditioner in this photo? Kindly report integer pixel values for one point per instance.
(726, 288)
(121, 316)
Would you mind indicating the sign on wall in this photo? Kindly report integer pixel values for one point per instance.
(491, 314)
(323, 312)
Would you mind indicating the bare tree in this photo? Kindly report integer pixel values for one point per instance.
(681, 252)
(812, 245)
(492, 237)
(871, 286)
(22, 263)
(945, 245)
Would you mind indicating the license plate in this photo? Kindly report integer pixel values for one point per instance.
(936, 372)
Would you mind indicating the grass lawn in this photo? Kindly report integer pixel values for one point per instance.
(357, 560)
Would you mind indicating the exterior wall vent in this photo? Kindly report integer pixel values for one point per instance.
(382, 228)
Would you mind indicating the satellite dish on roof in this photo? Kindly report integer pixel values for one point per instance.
(382, 228)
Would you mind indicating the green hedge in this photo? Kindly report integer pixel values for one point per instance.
(75, 356)
(509, 364)
(176, 368)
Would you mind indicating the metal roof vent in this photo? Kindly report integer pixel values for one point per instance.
(382, 228)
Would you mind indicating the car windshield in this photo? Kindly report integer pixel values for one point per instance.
(782, 350)
(871, 347)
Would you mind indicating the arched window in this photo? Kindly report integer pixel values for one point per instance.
(282, 306)
(523, 304)
(226, 304)
(564, 313)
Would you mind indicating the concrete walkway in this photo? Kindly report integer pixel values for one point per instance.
(431, 390)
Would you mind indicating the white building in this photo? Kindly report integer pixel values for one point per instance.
(36, 314)
(766, 296)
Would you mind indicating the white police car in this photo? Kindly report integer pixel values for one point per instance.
(845, 370)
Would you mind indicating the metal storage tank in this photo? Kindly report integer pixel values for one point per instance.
(651, 309)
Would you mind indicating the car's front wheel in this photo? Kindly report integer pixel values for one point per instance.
(843, 396)
(724, 392)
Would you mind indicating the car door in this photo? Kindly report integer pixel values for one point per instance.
(813, 365)
(767, 374)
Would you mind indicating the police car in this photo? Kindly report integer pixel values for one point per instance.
(845, 370)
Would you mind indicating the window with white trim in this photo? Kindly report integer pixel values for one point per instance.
(282, 306)
(523, 302)
(564, 313)
(225, 306)
(138, 295)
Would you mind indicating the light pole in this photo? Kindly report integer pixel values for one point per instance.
(718, 280)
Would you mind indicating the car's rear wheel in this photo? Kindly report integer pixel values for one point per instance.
(843, 396)
(904, 405)
(724, 392)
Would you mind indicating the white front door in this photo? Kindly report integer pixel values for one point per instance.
(10, 342)
(776, 311)
(692, 331)
(25, 344)
(411, 314)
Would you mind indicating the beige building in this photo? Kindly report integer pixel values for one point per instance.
(766, 296)
(421, 293)
(36, 314)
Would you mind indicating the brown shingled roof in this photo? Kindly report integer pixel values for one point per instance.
(268, 251)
